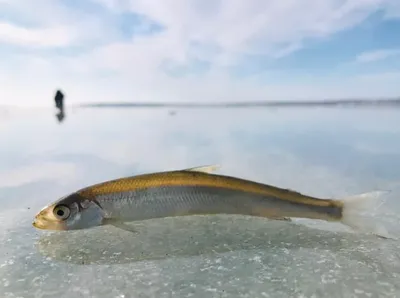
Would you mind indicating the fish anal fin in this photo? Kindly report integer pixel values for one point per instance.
(209, 169)
(271, 214)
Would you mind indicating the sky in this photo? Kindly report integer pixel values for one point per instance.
(197, 50)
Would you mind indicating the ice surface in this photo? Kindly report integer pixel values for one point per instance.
(199, 256)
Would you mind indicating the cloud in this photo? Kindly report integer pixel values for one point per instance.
(105, 50)
(35, 37)
(377, 55)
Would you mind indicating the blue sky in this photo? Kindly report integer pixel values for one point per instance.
(198, 50)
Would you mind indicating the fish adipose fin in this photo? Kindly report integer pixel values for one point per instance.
(204, 169)
(357, 211)
(120, 225)
(280, 218)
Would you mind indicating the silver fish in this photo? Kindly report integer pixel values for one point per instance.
(198, 191)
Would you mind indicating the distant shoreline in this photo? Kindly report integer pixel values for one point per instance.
(294, 103)
(384, 103)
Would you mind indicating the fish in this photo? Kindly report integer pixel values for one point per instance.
(199, 191)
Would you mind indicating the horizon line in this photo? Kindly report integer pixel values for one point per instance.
(393, 101)
(266, 103)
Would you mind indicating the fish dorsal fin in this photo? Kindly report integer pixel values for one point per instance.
(209, 169)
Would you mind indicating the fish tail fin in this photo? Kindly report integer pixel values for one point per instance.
(355, 213)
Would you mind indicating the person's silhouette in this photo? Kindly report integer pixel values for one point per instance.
(59, 98)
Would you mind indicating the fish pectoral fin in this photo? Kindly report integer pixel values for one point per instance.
(119, 224)
(204, 169)
(279, 218)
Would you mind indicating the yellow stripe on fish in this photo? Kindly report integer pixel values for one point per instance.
(186, 178)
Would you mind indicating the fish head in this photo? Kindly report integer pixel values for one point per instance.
(72, 212)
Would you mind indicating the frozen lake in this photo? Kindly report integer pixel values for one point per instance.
(321, 152)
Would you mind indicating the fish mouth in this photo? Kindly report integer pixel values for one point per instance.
(42, 224)
(38, 224)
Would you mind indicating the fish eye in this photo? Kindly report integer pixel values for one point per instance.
(61, 212)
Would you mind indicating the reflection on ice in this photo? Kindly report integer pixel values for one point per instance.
(191, 236)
